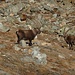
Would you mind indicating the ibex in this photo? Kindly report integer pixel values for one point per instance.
(27, 35)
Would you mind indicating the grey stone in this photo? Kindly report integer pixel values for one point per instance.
(23, 43)
(54, 15)
(2, 45)
(71, 71)
(4, 73)
(16, 47)
(31, 1)
(24, 50)
(56, 23)
(27, 59)
(9, 1)
(4, 28)
(39, 16)
(36, 48)
(10, 19)
(14, 8)
(34, 9)
(54, 27)
(61, 56)
(48, 8)
(39, 57)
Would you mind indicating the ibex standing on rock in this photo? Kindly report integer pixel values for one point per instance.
(27, 35)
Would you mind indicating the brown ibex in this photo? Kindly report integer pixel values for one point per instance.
(70, 39)
(27, 35)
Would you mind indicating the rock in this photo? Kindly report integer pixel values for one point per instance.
(16, 47)
(53, 29)
(2, 45)
(48, 8)
(4, 73)
(35, 51)
(32, 1)
(61, 56)
(56, 23)
(71, 71)
(35, 9)
(14, 8)
(36, 48)
(39, 57)
(46, 29)
(10, 19)
(24, 50)
(23, 43)
(27, 59)
(3, 28)
(49, 54)
(54, 15)
(8, 1)
(39, 17)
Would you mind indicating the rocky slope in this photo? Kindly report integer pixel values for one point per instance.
(49, 54)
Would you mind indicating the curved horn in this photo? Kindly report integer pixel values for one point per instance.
(65, 32)
(30, 27)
